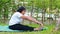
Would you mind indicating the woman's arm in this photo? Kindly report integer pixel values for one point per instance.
(32, 19)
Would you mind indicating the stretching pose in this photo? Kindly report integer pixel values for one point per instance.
(18, 17)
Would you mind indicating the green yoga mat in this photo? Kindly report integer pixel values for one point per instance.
(5, 28)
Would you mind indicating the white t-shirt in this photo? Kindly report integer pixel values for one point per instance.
(16, 18)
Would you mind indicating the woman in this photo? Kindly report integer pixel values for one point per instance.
(18, 17)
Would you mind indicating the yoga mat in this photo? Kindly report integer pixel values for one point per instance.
(5, 28)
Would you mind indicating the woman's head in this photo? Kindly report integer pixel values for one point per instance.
(21, 10)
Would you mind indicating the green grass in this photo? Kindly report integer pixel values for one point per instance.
(48, 31)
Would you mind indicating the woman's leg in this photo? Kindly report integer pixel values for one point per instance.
(21, 27)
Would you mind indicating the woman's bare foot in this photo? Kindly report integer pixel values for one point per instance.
(36, 29)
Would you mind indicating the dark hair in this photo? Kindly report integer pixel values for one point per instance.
(20, 9)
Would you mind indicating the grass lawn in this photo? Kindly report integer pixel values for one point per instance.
(48, 31)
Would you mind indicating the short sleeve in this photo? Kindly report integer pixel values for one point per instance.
(19, 15)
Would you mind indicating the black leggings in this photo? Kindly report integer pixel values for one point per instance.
(21, 27)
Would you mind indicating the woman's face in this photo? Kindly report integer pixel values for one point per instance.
(23, 12)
